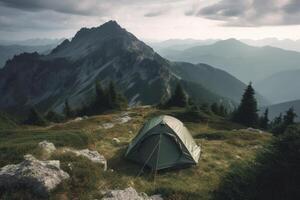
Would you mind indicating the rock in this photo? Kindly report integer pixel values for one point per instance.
(85, 117)
(77, 119)
(40, 176)
(108, 125)
(116, 140)
(124, 118)
(129, 194)
(93, 156)
(47, 146)
(254, 130)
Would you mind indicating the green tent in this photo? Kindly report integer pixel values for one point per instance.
(163, 142)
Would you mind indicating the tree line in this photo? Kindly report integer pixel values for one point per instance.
(247, 115)
(104, 99)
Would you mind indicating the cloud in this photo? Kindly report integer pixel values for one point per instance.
(78, 7)
(252, 12)
(155, 13)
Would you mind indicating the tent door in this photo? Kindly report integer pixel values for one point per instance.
(159, 151)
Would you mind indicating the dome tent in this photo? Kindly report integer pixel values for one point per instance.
(163, 142)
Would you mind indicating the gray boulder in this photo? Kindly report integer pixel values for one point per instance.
(39, 176)
(93, 156)
(47, 146)
(128, 194)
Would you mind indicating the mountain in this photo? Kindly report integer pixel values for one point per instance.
(8, 51)
(105, 53)
(245, 62)
(288, 44)
(281, 87)
(216, 80)
(178, 44)
(276, 109)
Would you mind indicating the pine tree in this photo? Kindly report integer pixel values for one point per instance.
(215, 108)
(101, 99)
(289, 117)
(67, 110)
(54, 117)
(179, 98)
(246, 113)
(35, 118)
(264, 120)
(223, 111)
(112, 95)
(116, 100)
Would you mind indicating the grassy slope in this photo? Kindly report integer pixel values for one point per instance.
(221, 148)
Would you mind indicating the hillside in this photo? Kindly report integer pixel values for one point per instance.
(216, 80)
(221, 148)
(281, 87)
(105, 53)
(245, 62)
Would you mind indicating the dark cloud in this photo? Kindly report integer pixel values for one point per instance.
(252, 12)
(78, 7)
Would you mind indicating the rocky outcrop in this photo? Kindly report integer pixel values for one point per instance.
(93, 156)
(47, 146)
(39, 176)
(128, 194)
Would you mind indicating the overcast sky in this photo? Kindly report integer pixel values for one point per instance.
(152, 19)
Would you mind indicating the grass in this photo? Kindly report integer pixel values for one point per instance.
(221, 148)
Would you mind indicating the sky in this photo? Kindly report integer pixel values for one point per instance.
(152, 19)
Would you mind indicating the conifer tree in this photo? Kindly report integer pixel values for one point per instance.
(112, 95)
(54, 117)
(222, 111)
(289, 117)
(215, 108)
(67, 110)
(264, 120)
(101, 100)
(179, 97)
(246, 113)
(115, 99)
(35, 118)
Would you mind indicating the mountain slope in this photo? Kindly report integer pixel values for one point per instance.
(281, 87)
(245, 62)
(215, 80)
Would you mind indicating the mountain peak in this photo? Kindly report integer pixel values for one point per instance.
(111, 23)
(231, 42)
(109, 28)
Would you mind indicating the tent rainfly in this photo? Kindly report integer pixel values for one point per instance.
(163, 142)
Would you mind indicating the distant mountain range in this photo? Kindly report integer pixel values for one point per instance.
(287, 44)
(107, 53)
(8, 51)
(32, 42)
(281, 87)
(245, 62)
(181, 44)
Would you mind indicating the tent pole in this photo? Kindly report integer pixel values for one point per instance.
(155, 172)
